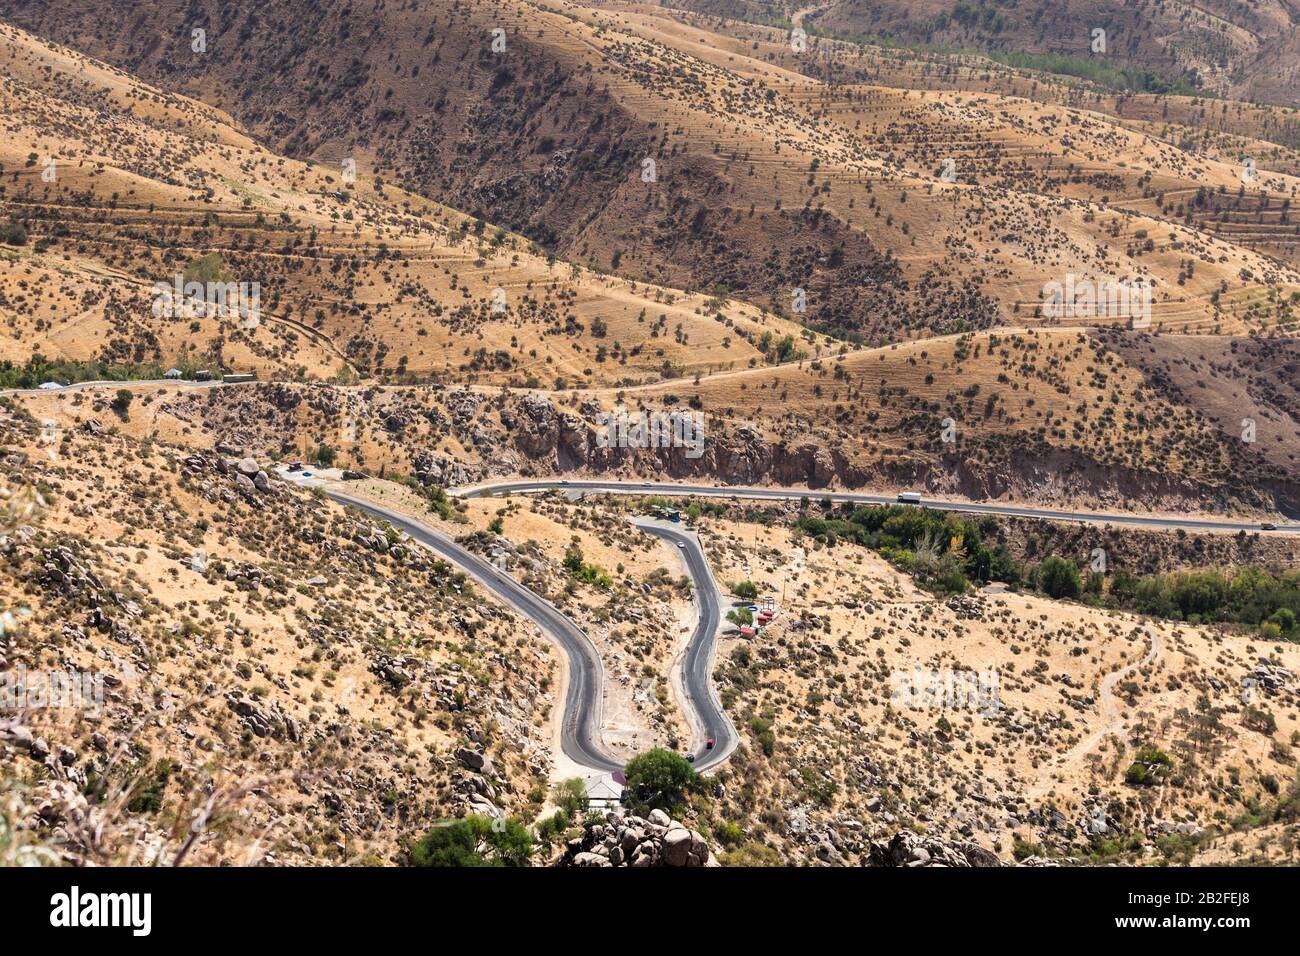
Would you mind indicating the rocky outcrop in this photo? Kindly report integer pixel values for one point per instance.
(907, 848)
(220, 478)
(434, 469)
(626, 840)
(264, 721)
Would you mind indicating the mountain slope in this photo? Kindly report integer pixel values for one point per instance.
(767, 181)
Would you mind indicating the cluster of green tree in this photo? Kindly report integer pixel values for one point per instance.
(946, 553)
(656, 780)
(570, 799)
(777, 351)
(439, 502)
(1285, 808)
(1093, 69)
(1245, 596)
(1102, 72)
(1150, 765)
(691, 510)
(473, 841)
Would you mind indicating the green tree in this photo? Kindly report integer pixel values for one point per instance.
(550, 829)
(1150, 766)
(740, 615)
(205, 269)
(122, 401)
(1059, 577)
(570, 796)
(746, 589)
(659, 779)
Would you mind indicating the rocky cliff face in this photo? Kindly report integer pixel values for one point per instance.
(552, 441)
(415, 432)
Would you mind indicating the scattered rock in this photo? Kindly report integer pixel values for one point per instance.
(907, 848)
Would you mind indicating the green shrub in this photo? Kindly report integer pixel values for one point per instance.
(570, 796)
(147, 794)
(13, 233)
(471, 842)
(1022, 849)
(761, 728)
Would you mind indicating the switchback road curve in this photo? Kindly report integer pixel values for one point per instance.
(580, 727)
(697, 664)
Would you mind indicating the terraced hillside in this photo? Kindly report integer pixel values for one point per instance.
(859, 245)
(354, 276)
(833, 203)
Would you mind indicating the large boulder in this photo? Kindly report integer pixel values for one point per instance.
(474, 760)
(677, 846)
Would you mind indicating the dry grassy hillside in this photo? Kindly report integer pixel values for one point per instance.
(1044, 414)
(833, 757)
(1089, 419)
(767, 180)
(354, 277)
(477, 227)
(303, 674)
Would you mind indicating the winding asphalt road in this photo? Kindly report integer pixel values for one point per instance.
(130, 383)
(697, 665)
(582, 704)
(785, 494)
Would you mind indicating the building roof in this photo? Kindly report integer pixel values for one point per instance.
(602, 788)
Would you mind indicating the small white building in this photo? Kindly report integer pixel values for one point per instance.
(173, 373)
(602, 792)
